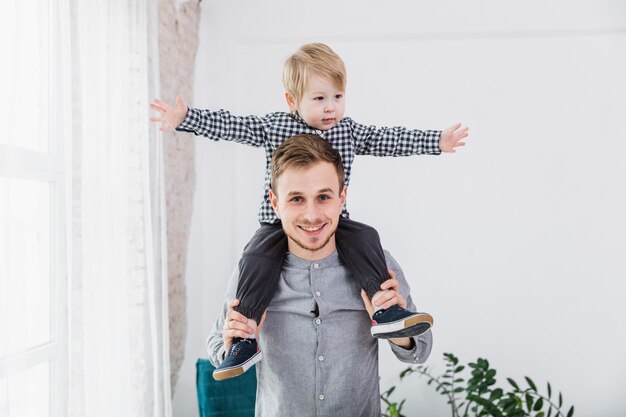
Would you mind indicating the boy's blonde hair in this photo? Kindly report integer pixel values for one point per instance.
(312, 58)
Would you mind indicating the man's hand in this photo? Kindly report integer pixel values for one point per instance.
(171, 117)
(451, 138)
(389, 297)
(236, 325)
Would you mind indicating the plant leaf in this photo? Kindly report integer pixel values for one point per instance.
(487, 405)
(513, 383)
(406, 372)
(560, 399)
(531, 384)
(570, 413)
(496, 394)
(538, 404)
(529, 402)
(508, 402)
(549, 391)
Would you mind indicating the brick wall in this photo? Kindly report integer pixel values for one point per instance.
(178, 43)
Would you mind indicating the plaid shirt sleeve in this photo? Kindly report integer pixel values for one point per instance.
(222, 125)
(394, 141)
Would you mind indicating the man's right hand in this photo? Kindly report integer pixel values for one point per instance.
(171, 117)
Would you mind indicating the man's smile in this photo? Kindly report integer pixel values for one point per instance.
(312, 230)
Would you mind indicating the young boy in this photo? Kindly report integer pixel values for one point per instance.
(315, 79)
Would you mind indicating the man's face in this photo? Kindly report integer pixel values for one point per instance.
(322, 105)
(308, 202)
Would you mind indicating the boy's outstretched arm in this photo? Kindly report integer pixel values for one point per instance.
(171, 117)
(452, 138)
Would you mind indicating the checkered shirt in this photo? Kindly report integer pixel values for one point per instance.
(347, 137)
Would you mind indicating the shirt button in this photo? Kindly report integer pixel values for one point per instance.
(321, 397)
(321, 358)
(318, 321)
(318, 293)
(316, 265)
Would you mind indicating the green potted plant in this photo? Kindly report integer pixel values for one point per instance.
(478, 395)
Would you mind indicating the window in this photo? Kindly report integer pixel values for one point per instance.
(33, 285)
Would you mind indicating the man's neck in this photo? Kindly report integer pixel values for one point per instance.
(311, 260)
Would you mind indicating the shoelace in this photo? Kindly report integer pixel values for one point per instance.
(234, 349)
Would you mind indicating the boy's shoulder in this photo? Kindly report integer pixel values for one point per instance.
(278, 114)
(346, 122)
(282, 118)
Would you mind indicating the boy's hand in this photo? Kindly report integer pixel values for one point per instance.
(451, 138)
(171, 117)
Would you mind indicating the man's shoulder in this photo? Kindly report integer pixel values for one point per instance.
(388, 256)
(390, 260)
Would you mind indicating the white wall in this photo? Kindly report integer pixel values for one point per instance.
(516, 244)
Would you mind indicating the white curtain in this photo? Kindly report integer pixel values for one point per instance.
(118, 330)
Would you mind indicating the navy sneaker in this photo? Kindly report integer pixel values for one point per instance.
(243, 354)
(399, 322)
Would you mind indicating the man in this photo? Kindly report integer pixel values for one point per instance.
(319, 357)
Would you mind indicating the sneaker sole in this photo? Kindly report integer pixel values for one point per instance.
(414, 325)
(233, 371)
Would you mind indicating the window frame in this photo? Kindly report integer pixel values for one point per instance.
(52, 167)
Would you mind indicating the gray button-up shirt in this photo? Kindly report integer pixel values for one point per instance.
(319, 358)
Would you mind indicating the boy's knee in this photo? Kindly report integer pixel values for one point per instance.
(361, 231)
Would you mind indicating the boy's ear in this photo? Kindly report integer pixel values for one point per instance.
(291, 102)
(274, 201)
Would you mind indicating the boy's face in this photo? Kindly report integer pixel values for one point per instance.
(322, 104)
(308, 202)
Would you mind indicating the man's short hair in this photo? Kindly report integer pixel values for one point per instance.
(312, 58)
(302, 151)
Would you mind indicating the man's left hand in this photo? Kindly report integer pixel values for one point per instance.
(389, 297)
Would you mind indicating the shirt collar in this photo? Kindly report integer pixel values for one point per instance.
(297, 117)
(330, 260)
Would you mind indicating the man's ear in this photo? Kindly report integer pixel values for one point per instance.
(291, 102)
(274, 201)
(343, 196)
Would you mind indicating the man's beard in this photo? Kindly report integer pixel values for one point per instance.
(311, 248)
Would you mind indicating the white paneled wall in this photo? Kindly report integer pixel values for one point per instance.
(516, 244)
